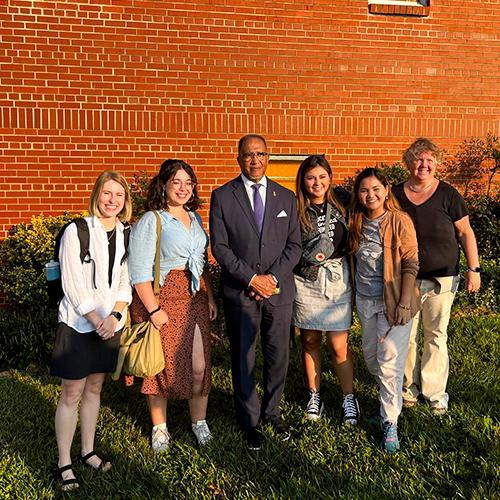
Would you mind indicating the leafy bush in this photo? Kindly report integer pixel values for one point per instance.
(476, 160)
(486, 299)
(484, 213)
(23, 256)
(219, 325)
(26, 338)
(138, 191)
(395, 173)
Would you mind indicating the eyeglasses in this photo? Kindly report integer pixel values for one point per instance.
(260, 155)
(188, 184)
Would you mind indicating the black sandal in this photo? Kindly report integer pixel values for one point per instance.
(66, 484)
(101, 467)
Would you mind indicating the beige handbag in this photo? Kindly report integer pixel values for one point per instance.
(141, 352)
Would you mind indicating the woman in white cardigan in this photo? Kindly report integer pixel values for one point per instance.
(96, 291)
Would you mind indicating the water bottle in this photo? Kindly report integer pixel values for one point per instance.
(52, 271)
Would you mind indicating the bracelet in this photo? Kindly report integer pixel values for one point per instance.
(155, 311)
(406, 308)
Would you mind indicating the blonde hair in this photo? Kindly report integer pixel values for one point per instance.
(421, 145)
(357, 210)
(303, 201)
(106, 176)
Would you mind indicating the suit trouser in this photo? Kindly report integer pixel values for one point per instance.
(243, 324)
(429, 375)
(385, 359)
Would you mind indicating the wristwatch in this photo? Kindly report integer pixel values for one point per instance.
(474, 269)
(116, 314)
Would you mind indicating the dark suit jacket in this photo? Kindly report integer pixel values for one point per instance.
(241, 252)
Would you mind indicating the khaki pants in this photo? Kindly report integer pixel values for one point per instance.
(428, 376)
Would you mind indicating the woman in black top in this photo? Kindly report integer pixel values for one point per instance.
(441, 221)
(322, 277)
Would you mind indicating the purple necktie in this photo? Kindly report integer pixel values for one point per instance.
(258, 206)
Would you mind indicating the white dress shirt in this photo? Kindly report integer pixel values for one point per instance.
(250, 190)
(80, 296)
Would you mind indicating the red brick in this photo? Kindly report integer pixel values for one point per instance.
(125, 85)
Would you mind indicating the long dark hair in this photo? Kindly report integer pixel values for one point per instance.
(157, 196)
(357, 210)
(303, 201)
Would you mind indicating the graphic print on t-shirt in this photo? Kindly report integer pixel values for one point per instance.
(331, 228)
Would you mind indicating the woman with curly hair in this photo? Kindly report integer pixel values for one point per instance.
(186, 303)
(442, 223)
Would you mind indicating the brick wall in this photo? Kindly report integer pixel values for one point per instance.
(91, 85)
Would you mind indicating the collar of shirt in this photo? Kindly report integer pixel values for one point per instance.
(249, 189)
(169, 217)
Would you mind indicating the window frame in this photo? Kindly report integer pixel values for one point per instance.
(417, 8)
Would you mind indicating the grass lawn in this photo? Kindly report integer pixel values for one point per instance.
(454, 456)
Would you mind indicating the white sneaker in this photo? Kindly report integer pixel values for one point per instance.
(350, 409)
(202, 432)
(315, 406)
(160, 440)
(438, 411)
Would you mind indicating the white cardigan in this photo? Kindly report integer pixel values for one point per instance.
(80, 296)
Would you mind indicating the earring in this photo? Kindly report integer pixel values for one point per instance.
(191, 199)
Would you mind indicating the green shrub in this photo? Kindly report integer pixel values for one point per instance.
(138, 190)
(23, 256)
(219, 325)
(475, 164)
(395, 173)
(484, 213)
(26, 338)
(486, 299)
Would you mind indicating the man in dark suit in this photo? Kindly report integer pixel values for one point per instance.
(255, 237)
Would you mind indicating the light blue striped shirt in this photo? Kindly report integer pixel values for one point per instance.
(179, 247)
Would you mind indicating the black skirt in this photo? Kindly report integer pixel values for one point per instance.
(77, 355)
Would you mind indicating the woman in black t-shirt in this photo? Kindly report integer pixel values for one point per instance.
(322, 279)
(442, 222)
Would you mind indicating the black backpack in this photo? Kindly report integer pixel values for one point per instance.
(54, 287)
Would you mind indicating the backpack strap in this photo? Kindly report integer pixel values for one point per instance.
(327, 218)
(126, 239)
(84, 237)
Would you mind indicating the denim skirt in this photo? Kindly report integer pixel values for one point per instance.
(325, 304)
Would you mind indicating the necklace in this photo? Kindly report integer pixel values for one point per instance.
(111, 234)
(411, 187)
(319, 208)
